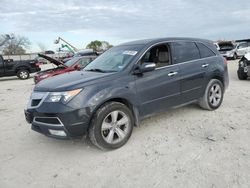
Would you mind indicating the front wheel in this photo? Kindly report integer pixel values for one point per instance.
(213, 96)
(241, 74)
(23, 74)
(111, 126)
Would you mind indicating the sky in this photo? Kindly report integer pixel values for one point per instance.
(118, 21)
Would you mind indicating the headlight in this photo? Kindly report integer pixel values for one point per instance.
(64, 97)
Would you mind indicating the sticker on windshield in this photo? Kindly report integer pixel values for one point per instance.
(127, 52)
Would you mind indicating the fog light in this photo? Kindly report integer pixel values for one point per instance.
(57, 132)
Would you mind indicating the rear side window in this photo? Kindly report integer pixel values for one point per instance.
(184, 51)
(205, 51)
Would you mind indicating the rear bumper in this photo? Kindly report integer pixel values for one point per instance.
(73, 124)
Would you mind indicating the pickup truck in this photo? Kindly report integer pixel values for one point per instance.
(21, 69)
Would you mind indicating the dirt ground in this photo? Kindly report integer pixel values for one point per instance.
(185, 147)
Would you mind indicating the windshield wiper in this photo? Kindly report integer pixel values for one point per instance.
(95, 70)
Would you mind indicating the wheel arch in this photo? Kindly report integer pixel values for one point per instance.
(124, 101)
(218, 77)
(22, 67)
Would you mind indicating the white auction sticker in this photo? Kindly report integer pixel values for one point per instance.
(127, 52)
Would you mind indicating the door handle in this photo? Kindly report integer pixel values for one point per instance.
(205, 65)
(172, 73)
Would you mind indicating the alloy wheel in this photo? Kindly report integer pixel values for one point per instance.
(115, 127)
(215, 95)
(23, 74)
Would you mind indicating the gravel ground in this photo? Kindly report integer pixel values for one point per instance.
(185, 147)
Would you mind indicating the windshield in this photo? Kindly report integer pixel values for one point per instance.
(115, 59)
(71, 62)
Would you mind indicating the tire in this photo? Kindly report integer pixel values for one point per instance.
(213, 96)
(241, 74)
(105, 131)
(23, 74)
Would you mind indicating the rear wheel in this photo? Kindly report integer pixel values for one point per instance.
(213, 96)
(111, 126)
(23, 74)
(241, 74)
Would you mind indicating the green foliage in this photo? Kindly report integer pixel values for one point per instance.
(99, 46)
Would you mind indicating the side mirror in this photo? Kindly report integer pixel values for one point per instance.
(145, 67)
(77, 67)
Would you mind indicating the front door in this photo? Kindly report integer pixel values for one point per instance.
(158, 90)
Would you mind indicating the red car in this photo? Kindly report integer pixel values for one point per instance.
(76, 63)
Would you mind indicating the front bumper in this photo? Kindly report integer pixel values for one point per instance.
(63, 125)
(227, 55)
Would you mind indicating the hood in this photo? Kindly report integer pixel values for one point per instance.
(71, 80)
(52, 60)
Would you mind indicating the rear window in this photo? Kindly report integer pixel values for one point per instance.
(205, 51)
(184, 51)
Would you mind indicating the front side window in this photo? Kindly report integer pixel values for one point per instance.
(160, 55)
(115, 59)
(184, 51)
(205, 51)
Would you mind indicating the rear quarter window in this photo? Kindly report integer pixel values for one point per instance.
(184, 51)
(205, 51)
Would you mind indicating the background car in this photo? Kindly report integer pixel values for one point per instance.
(243, 71)
(87, 52)
(228, 49)
(242, 48)
(19, 68)
(76, 63)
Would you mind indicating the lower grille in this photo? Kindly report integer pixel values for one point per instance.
(50, 121)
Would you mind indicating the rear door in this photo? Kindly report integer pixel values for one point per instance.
(186, 54)
(158, 90)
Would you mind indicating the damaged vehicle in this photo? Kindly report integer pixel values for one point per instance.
(242, 49)
(228, 50)
(76, 63)
(244, 67)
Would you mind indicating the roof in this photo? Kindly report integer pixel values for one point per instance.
(156, 40)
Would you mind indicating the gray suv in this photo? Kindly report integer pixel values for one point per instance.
(127, 83)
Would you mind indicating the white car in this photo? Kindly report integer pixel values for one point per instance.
(242, 48)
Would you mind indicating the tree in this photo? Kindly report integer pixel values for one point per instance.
(16, 46)
(99, 46)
